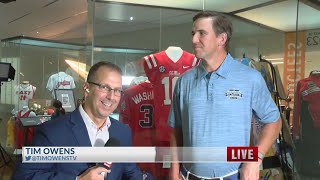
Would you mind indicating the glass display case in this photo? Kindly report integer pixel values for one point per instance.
(126, 32)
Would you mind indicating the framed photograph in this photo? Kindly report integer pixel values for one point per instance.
(67, 99)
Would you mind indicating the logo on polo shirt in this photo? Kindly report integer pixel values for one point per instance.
(234, 94)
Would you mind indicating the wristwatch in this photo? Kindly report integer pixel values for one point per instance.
(260, 155)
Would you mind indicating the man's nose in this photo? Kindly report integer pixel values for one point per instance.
(195, 39)
(110, 94)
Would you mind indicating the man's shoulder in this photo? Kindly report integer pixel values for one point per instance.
(238, 67)
(119, 124)
(57, 123)
(189, 74)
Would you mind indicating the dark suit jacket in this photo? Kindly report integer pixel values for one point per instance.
(70, 130)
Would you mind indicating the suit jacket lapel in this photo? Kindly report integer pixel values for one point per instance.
(79, 129)
(113, 133)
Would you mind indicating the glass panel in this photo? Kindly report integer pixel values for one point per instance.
(125, 33)
(134, 30)
(60, 49)
(176, 23)
(10, 54)
(307, 90)
(36, 62)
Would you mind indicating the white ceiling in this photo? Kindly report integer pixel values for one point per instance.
(215, 5)
(283, 15)
(67, 19)
(27, 17)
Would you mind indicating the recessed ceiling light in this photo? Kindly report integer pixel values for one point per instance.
(274, 59)
(37, 32)
(131, 18)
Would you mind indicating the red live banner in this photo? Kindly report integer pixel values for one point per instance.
(242, 154)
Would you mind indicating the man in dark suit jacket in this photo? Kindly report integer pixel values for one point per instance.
(102, 93)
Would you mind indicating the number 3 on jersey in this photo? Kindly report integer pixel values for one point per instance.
(147, 122)
(166, 82)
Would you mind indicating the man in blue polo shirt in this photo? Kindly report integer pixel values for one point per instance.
(213, 104)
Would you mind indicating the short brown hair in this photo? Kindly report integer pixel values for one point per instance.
(220, 24)
(92, 72)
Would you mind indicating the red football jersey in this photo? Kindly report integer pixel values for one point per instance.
(136, 110)
(163, 74)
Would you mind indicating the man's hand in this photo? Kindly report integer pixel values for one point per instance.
(175, 177)
(174, 174)
(93, 173)
(250, 171)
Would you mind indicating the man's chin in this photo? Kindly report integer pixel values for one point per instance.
(105, 115)
(199, 56)
(105, 111)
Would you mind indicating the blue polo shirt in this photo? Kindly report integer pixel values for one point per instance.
(215, 110)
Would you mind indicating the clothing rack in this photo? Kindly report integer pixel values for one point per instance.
(283, 146)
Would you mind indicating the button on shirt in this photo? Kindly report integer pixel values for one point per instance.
(98, 136)
(215, 110)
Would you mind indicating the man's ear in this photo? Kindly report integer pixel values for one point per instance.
(86, 87)
(222, 39)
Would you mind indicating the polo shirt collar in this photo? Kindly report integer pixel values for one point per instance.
(223, 70)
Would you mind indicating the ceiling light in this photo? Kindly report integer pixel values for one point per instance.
(274, 59)
(37, 32)
(131, 18)
(277, 62)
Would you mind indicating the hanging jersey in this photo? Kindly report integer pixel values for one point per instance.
(136, 110)
(306, 108)
(306, 124)
(60, 80)
(163, 74)
(25, 92)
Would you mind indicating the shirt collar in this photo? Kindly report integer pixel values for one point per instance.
(88, 121)
(223, 70)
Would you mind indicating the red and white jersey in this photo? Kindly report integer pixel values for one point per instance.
(60, 80)
(25, 92)
(307, 94)
(163, 74)
(136, 110)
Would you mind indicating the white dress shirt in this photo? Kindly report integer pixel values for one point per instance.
(98, 136)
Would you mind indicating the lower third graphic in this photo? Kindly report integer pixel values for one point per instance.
(50, 158)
